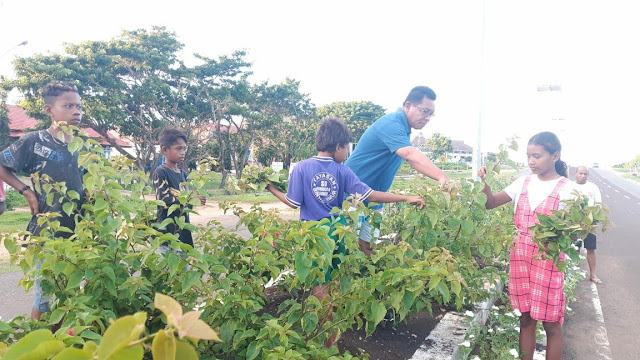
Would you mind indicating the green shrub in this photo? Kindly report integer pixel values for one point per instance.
(14, 199)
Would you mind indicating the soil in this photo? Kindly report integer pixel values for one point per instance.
(392, 341)
(389, 341)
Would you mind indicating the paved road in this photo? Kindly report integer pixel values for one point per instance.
(618, 265)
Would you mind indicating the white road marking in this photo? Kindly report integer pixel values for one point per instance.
(601, 332)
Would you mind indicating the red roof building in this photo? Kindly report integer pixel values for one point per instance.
(20, 123)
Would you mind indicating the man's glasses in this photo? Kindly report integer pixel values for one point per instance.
(425, 112)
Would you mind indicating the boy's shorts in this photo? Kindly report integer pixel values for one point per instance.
(590, 242)
(41, 301)
(340, 249)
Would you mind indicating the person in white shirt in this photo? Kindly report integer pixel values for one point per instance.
(592, 191)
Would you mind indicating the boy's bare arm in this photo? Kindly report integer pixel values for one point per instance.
(280, 195)
(384, 197)
(10, 178)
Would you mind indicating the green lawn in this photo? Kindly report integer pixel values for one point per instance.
(11, 221)
(14, 221)
(626, 173)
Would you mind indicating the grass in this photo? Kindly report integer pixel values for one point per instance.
(626, 173)
(12, 221)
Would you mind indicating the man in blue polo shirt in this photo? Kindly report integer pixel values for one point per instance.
(386, 143)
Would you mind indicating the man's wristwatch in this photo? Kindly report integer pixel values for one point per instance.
(21, 191)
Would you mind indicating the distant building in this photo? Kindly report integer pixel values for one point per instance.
(461, 151)
(20, 123)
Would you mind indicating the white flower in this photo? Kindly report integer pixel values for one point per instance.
(518, 328)
(500, 329)
(466, 344)
(476, 358)
(490, 331)
(568, 309)
(514, 352)
(469, 313)
(495, 308)
(509, 314)
(471, 336)
(576, 268)
(517, 313)
(542, 332)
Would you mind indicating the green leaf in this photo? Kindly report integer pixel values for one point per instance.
(456, 287)
(120, 333)
(378, 311)
(109, 272)
(345, 284)
(408, 299)
(433, 282)
(73, 195)
(302, 265)
(184, 351)
(253, 350)
(56, 316)
(309, 322)
(67, 207)
(164, 346)
(75, 144)
(191, 279)
(444, 290)
(74, 280)
(44, 350)
(90, 334)
(467, 227)
(135, 352)
(28, 343)
(73, 354)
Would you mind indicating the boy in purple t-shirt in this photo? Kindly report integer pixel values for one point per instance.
(319, 184)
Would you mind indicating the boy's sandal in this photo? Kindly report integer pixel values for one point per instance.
(596, 281)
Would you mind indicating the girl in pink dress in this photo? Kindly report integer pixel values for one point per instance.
(535, 286)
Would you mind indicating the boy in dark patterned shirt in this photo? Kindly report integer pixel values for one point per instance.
(46, 154)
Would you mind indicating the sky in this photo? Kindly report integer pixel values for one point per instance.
(377, 51)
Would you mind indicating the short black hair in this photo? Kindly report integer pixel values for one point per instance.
(418, 93)
(54, 89)
(170, 136)
(331, 133)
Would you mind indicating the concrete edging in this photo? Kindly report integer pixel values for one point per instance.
(444, 340)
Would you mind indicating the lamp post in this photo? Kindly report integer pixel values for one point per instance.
(477, 151)
(550, 89)
(13, 47)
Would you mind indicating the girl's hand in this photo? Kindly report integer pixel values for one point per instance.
(415, 200)
(482, 173)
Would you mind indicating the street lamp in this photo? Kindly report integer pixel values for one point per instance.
(13, 47)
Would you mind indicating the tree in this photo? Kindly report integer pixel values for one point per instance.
(5, 140)
(357, 115)
(289, 120)
(134, 83)
(438, 145)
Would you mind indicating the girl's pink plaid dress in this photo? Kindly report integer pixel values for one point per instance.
(535, 286)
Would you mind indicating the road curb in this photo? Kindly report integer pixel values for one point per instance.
(444, 340)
